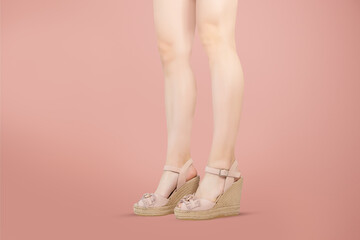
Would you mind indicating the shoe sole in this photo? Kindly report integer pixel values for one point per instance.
(188, 188)
(228, 204)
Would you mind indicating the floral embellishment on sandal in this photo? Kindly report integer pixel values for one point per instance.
(190, 201)
(148, 199)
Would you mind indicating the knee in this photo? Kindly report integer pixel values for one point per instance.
(171, 51)
(214, 39)
(209, 34)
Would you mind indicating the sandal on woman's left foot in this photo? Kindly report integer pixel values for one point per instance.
(226, 204)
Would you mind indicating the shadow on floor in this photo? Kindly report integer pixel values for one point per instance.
(130, 214)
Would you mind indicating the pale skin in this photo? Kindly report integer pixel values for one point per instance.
(175, 23)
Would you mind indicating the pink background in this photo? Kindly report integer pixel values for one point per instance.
(83, 121)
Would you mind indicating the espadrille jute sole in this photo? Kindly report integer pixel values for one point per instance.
(188, 188)
(228, 204)
(160, 211)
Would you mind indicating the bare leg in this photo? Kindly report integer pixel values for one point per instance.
(216, 25)
(175, 26)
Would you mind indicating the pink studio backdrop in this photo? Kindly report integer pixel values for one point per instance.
(83, 121)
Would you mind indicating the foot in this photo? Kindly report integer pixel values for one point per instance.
(216, 181)
(211, 187)
(168, 181)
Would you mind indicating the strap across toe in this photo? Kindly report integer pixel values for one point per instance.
(226, 204)
(153, 204)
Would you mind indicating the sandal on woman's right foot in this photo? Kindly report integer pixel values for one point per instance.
(153, 204)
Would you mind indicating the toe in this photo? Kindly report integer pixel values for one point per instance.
(140, 203)
(181, 206)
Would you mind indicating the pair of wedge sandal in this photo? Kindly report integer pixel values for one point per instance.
(183, 203)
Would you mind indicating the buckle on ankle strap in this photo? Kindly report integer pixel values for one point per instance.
(217, 171)
(223, 172)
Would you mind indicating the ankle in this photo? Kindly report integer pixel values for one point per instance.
(177, 160)
(221, 161)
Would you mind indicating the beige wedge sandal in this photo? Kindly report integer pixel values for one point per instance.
(153, 204)
(226, 204)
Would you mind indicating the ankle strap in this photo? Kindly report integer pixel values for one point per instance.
(181, 171)
(172, 168)
(222, 172)
(229, 174)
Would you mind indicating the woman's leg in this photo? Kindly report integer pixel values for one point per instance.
(216, 25)
(175, 26)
